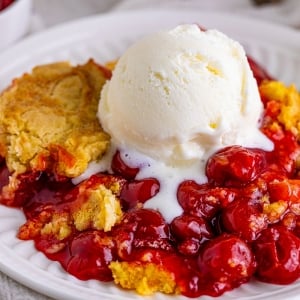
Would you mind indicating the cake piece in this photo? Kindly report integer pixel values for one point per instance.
(48, 119)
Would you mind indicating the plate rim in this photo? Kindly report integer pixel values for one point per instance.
(289, 34)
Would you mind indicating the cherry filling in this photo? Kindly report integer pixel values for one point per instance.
(277, 252)
(243, 223)
(226, 235)
(5, 3)
(89, 254)
(235, 166)
(190, 232)
(120, 168)
(225, 262)
(138, 191)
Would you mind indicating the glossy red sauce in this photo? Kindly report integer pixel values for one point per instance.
(5, 3)
(222, 239)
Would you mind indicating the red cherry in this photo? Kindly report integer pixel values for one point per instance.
(277, 253)
(286, 151)
(142, 228)
(120, 168)
(187, 226)
(5, 3)
(235, 166)
(138, 191)
(4, 174)
(189, 247)
(148, 223)
(225, 262)
(203, 200)
(244, 219)
(90, 256)
(190, 232)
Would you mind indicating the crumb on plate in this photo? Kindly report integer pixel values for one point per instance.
(145, 278)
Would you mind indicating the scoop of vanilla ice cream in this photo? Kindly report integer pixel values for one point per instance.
(182, 94)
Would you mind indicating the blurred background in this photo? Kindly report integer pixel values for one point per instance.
(48, 13)
(43, 14)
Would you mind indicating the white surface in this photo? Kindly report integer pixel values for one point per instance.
(283, 11)
(48, 13)
(14, 22)
(276, 47)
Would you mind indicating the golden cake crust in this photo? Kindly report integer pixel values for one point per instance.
(145, 278)
(288, 99)
(48, 119)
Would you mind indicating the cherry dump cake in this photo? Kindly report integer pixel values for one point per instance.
(233, 214)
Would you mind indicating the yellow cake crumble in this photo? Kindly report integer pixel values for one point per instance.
(289, 100)
(101, 210)
(96, 208)
(145, 278)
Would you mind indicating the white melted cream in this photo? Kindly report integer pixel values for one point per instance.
(169, 177)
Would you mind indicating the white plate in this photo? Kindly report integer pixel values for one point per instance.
(104, 38)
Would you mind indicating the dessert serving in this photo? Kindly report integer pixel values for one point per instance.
(174, 169)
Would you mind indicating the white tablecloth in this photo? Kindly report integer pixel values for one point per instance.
(49, 13)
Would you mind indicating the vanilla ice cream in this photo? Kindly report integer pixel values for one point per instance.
(174, 98)
(180, 95)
